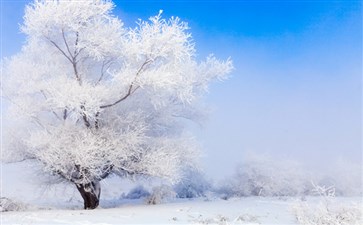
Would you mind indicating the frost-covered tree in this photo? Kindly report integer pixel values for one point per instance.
(193, 185)
(263, 175)
(90, 97)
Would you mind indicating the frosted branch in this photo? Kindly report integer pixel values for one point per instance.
(130, 91)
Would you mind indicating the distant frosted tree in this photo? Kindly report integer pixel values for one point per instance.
(91, 97)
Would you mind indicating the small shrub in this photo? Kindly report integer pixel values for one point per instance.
(194, 185)
(326, 213)
(345, 176)
(137, 193)
(246, 218)
(160, 194)
(7, 205)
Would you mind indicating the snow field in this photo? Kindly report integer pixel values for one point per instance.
(62, 204)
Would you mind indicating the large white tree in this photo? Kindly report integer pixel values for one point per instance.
(91, 97)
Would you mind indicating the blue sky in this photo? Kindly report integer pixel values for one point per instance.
(296, 90)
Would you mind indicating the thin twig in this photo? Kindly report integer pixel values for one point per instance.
(84, 116)
(75, 45)
(71, 60)
(65, 114)
(67, 46)
(55, 44)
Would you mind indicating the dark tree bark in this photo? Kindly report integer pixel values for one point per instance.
(90, 193)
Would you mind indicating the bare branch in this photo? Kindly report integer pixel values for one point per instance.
(71, 58)
(107, 172)
(55, 44)
(130, 91)
(105, 63)
(67, 46)
(84, 116)
(74, 64)
(77, 51)
(76, 54)
(118, 101)
(133, 91)
(97, 122)
(37, 121)
(102, 73)
(65, 114)
(75, 46)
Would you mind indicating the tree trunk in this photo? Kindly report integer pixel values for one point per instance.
(90, 193)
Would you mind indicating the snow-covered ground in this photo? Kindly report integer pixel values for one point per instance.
(238, 211)
(251, 210)
(61, 204)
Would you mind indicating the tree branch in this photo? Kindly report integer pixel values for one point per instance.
(75, 45)
(130, 91)
(120, 100)
(74, 64)
(84, 116)
(107, 172)
(96, 121)
(55, 44)
(76, 51)
(104, 64)
(67, 46)
(70, 58)
(65, 114)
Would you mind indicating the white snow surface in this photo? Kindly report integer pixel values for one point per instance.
(253, 210)
(62, 204)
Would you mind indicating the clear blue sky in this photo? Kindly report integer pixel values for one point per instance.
(297, 87)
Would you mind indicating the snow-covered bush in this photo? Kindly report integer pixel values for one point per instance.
(264, 176)
(137, 193)
(327, 213)
(7, 205)
(345, 176)
(160, 194)
(193, 185)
